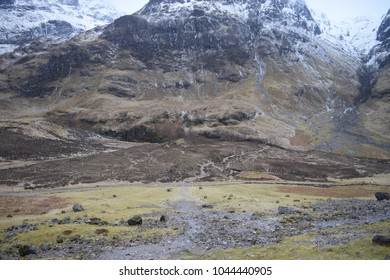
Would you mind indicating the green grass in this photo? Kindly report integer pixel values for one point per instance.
(303, 248)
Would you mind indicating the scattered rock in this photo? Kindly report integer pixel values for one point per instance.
(231, 210)
(65, 220)
(285, 210)
(60, 239)
(287, 195)
(382, 240)
(164, 218)
(169, 190)
(296, 200)
(94, 221)
(255, 216)
(26, 250)
(387, 257)
(114, 195)
(207, 206)
(382, 196)
(135, 220)
(78, 207)
(9, 216)
(201, 188)
(205, 197)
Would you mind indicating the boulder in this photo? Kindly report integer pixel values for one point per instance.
(207, 206)
(382, 196)
(135, 220)
(78, 207)
(26, 250)
(382, 240)
(285, 210)
(163, 218)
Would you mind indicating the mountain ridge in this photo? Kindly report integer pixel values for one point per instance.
(269, 78)
(55, 19)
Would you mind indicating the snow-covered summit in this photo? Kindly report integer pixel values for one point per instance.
(355, 35)
(293, 13)
(24, 20)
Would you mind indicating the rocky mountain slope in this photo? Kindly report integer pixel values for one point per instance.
(239, 71)
(22, 21)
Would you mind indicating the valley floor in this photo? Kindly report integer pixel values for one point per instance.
(209, 220)
(198, 199)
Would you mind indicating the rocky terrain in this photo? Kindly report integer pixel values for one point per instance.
(182, 94)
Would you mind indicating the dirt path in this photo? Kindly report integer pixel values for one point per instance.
(201, 229)
(172, 246)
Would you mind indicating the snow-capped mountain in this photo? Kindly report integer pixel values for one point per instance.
(356, 35)
(254, 70)
(266, 12)
(24, 20)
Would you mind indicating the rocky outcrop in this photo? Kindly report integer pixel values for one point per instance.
(24, 21)
(242, 70)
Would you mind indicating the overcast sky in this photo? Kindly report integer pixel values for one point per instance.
(334, 9)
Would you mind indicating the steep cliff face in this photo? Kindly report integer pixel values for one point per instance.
(253, 70)
(22, 21)
(376, 108)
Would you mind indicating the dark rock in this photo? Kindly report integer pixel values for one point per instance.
(164, 218)
(387, 257)
(382, 240)
(78, 208)
(382, 196)
(207, 206)
(9, 216)
(65, 220)
(285, 210)
(384, 30)
(94, 221)
(60, 239)
(135, 220)
(26, 250)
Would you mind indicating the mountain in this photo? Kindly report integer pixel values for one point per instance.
(376, 83)
(22, 20)
(357, 35)
(216, 73)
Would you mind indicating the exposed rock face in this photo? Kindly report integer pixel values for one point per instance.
(23, 21)
(239, 70)
(384, 28)
(376, 84)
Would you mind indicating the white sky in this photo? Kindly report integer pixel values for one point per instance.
(334, 9)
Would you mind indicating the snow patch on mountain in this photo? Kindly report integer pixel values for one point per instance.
(24, 20)
(357, 36)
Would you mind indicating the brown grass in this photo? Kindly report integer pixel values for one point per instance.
(30, 205)
(334, 192)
